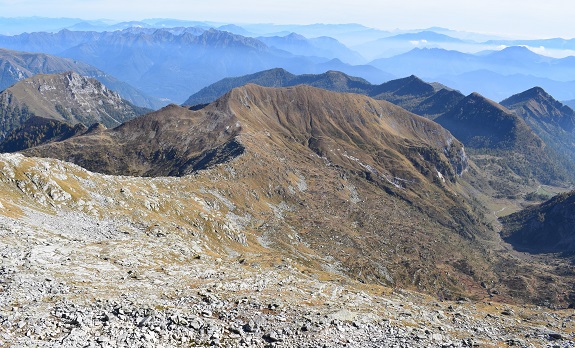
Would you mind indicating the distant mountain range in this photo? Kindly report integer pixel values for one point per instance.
(401, 43)
(172, 59)
(436, 62)
(173, 63)
(411, 93)
(322, 46)
(495, 74)
(498, 87)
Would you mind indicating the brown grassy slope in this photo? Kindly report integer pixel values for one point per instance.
(365, 186)
(339, 182)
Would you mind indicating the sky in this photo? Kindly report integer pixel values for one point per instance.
(513, 18)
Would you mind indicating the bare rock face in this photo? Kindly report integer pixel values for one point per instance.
(66, 97)
(16, 66)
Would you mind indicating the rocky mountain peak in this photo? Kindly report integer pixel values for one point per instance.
(408, 86)
(537, 105)
(65, 97)
(535, 93)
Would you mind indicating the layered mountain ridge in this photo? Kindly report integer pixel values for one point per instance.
(512, 152)
(395, 185)
(170, 64)
(411, 93)
(221, 120)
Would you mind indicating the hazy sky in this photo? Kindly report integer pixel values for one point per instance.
(519, 18)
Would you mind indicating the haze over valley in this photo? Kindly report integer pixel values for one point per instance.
(220, 180)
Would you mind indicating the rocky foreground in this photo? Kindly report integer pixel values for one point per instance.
(86, 260)
(70, 280)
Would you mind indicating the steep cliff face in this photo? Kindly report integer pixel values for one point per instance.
(66, 97)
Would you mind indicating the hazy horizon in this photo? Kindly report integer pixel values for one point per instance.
(512, 18)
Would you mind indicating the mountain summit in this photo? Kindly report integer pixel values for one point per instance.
(550, 119)
(309, 116)
(538, 105)
(66, 97)
(16, 66)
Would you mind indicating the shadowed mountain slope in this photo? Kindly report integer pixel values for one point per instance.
(413, 94)
(38, 130)
(545, 228)
(551, 120)
(502, 143)
(172, 141)
(482, 123)
(536, 105)
(66, 97)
